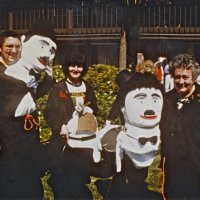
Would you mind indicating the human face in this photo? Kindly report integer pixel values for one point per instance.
(183, 81)
(11, 50)
(75, 72)
(143, 107)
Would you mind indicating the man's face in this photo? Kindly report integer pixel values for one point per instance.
(75, 71)
(143, 107)
(11, 50)
(183, 81)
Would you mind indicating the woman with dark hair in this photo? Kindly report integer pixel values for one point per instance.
(69, 99)
(76, 93)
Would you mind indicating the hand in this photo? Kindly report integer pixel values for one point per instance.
(79, 108)
(64, 132)
(49, 71)
(87, 110)
(27, 105)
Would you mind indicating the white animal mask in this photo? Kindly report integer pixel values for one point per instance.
(143, 107)
(39, 52)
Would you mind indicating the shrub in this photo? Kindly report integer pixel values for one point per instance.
(102, 78)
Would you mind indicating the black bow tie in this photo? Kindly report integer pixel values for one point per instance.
(35, 74)
(144, 140)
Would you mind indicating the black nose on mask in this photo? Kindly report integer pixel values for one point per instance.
(149, 112)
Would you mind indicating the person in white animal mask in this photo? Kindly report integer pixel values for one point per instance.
(19, 156)
(138, 141)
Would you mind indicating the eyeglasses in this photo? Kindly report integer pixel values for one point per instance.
(10, 47)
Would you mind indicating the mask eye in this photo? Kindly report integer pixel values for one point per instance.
(52, 51)
(155, 99)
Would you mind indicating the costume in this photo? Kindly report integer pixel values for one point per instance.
(138, 140)
(75, 163)
(19, 160)
(115, 111)
(121, 79)
(130, 183)
(60, 107)
(21, 157)
(180, 146)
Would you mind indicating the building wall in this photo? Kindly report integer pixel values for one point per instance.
(94, 52)
(152, 49)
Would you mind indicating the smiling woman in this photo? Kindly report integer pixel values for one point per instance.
(180, 138)
(10, 49)
(70, 112)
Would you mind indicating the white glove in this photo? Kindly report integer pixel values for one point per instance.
(26, 105)
(80, 108)
(87, 110)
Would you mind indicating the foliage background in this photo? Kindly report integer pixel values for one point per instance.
(102, 78)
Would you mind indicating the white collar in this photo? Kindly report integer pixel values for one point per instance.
(140, 155)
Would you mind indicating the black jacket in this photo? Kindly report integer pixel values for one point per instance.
(180, 145)
(60, 108)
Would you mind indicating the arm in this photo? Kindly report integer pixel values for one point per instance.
(90, 97)
(12, 94)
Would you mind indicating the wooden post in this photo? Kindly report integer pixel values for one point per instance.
(70, 18)
(122, 53)
(10, 20)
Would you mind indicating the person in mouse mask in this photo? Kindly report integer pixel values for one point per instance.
(20, 163)
(137, 142)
